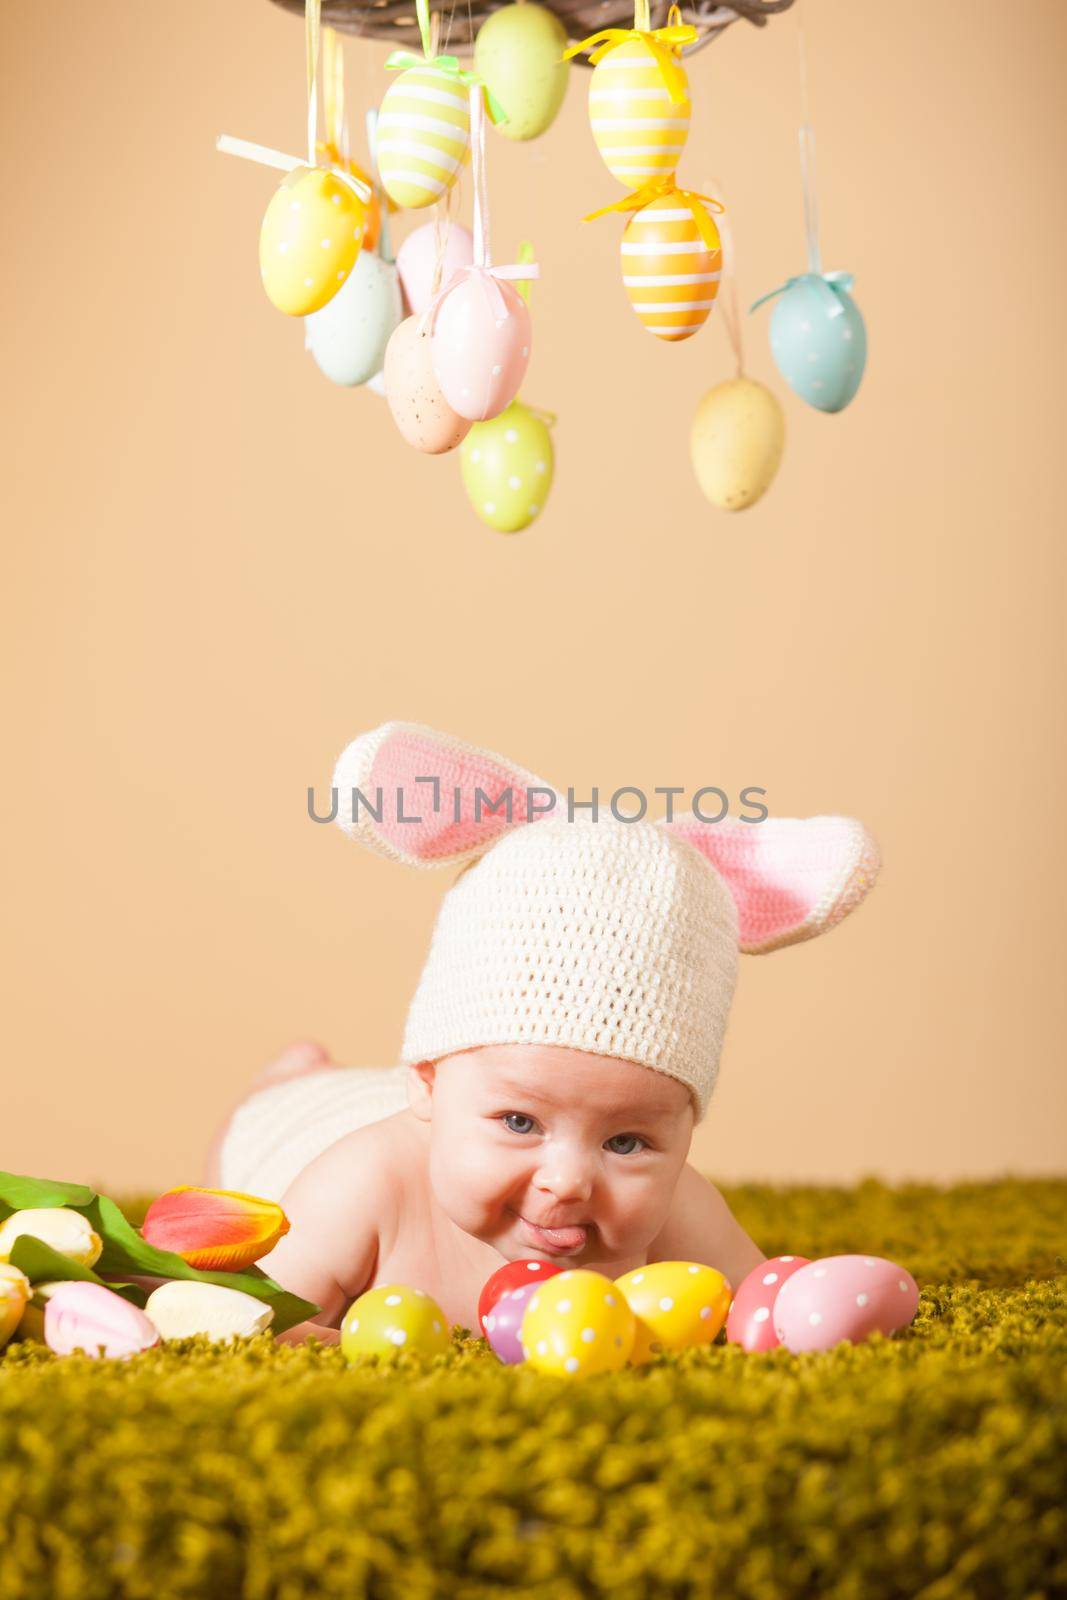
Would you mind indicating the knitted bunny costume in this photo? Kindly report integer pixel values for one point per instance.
(616, 938)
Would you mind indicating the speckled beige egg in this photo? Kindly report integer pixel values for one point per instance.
(419, 409)
(736, 443)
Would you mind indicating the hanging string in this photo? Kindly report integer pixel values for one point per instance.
(728, 299)
(312, 9)
(807, 163)
(385, 241)
(480, 227)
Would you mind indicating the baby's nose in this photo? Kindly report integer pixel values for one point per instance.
(566, 1177)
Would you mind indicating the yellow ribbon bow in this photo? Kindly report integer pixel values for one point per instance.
(665, 44)
(699, 205)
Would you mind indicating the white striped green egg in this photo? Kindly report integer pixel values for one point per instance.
(423, 136)
(639, 130)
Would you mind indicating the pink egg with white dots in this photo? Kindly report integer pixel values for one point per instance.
(843, 1297)
(751, 1322)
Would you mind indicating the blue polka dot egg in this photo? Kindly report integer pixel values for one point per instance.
(819, 340)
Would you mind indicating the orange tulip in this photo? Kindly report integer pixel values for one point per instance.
(214, 1229)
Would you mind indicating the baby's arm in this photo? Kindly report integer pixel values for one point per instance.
(337, 1209)
(701, 1227)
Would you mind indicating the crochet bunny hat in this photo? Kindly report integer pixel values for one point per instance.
(613, 937)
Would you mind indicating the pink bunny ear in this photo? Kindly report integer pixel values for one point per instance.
(418, 795)
(791, 879)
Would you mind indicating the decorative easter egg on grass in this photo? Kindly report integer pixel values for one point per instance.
(577, 1324)
(678, 1305)
(424, 134)
(512, 1275)
(843, 1297)
(517, 55)
(507, 466)
(818, 339)
(751, 1323)
(481, 344)
(639, 127)
(311, 235)
(417, 257)
(736, 443)
(669, 269)
(391, 1318)
(419, 409)
(503, 1325)
(348, 336)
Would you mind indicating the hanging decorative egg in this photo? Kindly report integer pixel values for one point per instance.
(481, 344)
(348, 336)
(419, 409)
(736, 443)
(639, 114)
(518, 54)
(417, 258)
(818, 338)
(671, 266)
(331, 156)
(423, 135)
(312, 233)
(507, 466)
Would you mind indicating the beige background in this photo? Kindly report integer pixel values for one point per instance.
(220, 569)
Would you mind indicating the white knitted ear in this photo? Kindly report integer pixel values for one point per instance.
(429, 800)
(791, 879)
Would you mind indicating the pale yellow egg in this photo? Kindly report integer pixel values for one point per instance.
(736, 442)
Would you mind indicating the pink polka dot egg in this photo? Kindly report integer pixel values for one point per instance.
(751, 1323)
(480, 345)
(843, 1298)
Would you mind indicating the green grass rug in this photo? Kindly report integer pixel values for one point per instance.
(930, 1466)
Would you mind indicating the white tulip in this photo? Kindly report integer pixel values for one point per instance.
(32, 1324)
(67, 1232)
(183, 1308)
(14, 1293)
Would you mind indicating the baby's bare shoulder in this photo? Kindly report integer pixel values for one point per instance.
(701, 1227)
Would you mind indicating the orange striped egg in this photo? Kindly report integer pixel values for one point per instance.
(670, 274)
(424, 131)
(639, 130)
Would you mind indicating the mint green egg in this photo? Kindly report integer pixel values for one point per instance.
(517, 54)
(507, 466)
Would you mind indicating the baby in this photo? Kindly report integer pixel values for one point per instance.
(560, 1048)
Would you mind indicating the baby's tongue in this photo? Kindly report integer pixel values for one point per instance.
(566, 1238)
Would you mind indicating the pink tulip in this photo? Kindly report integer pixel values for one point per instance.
(86, 1316)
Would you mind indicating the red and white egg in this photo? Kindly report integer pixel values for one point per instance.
(843, 1298)
(512, 1275)
(751, 1321)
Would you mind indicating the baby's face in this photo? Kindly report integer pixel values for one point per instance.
(553, 1153)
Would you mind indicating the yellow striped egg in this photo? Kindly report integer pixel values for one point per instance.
(424, 131)
(312, 232)
(639, 130)
(670, 274)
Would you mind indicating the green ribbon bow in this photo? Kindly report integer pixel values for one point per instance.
(401, 59)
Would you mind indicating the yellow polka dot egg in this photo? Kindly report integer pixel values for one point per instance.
(577, 1324)
(678, 1305)
(507, 466)
(312, 232)
(392, 1317)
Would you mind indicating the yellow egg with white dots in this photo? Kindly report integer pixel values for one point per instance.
(678, 1305)
(393, 1317)
(312, 232)
(578, 1323)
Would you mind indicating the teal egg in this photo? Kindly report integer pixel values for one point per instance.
(819, 340)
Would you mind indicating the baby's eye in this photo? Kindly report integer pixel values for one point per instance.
(519, 1122)
(624, 1144)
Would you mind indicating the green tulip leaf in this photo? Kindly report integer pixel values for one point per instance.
(42, 1264)
(29, 1194)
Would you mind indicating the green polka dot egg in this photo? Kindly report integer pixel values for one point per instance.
(391, 1318)
(312, 232)
(507, 465)
(578, 1323)
(678, 1305)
